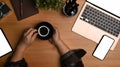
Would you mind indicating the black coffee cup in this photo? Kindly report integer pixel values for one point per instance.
(45, 30)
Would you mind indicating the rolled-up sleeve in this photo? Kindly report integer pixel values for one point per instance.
(73, 58)
(20, 63)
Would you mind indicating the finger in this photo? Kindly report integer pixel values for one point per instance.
(34, 36)
(56, 31)
(29, 30)
(50, 40)
(55, 28)
(31, 33)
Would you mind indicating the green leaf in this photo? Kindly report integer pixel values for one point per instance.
(50, 4)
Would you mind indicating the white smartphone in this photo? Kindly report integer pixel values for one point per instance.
(103, 47)
(4, 44)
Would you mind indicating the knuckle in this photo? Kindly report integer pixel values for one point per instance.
(27, 37)
(24, 34)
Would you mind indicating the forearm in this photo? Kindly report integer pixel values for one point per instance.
(62, 47)
(19, 53)
(28, 38)
(17, 59)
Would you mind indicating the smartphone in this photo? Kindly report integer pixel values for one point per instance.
(103, 47)
(5, 46)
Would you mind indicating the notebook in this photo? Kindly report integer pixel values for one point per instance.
(28, 8)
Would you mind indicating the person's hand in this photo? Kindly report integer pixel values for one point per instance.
(58, 43)
(56, 37)
(28, 38)
(26, 41)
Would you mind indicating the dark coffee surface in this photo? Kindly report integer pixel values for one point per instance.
(43, 31)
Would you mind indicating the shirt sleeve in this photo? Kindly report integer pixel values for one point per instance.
(21, 63)
(73, 58)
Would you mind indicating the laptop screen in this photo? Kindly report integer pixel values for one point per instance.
(109, 5)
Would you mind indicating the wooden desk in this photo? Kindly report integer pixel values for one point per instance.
(44, 54)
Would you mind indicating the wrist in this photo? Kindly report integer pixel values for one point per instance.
(18, 53)
(21, 47)
(62, 47)
(57, 42)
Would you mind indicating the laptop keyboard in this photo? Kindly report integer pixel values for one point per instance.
(101, 20)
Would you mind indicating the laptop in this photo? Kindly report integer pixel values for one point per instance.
(98, 18)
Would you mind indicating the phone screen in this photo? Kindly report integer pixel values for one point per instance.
(4, 44)
(103, 47)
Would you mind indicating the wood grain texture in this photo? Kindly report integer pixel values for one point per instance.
(44, 54)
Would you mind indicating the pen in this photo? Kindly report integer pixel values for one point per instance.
(21, 8)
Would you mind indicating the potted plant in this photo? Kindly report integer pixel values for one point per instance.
(50, 4)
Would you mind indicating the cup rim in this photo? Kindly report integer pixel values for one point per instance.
(44, 27)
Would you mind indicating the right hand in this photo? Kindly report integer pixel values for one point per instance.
(28, 38)
(26, 41)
